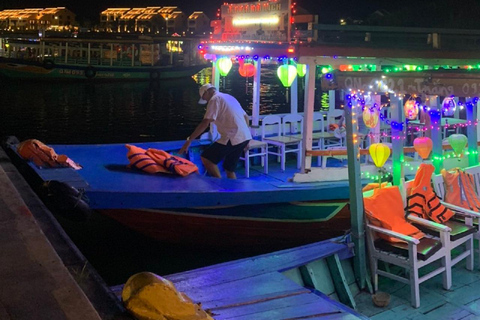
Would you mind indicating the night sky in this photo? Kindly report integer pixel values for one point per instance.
(414, 12)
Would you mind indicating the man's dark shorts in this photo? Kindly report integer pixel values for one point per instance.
(216, 152)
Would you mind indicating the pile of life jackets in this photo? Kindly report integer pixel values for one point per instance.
(159, 161)
(44, 156)
(422, 201)
(460, 189)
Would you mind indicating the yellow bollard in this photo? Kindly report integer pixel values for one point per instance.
(150, 297)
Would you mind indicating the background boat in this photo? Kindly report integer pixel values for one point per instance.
(141, 58)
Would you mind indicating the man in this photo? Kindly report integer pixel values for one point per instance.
(232, 124)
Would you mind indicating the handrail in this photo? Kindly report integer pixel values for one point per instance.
(343, 152)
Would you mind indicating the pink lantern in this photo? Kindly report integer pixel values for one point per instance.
(423, 146)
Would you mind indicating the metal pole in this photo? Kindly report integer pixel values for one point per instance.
(256, 93)
(398, 133)
(472, 131)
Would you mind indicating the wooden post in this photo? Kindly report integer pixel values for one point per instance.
(472, 131)
(398, 133)
(152, 49)
(66, 52)
(111, 54)
(133, 54)
(88, 53)
(355, 188)
(436, 133)
(308, 114)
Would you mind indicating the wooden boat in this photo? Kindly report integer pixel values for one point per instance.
(99, 59)
(265, 209)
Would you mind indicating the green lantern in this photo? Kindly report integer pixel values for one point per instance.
(224, 65)
(287, 73)
(458, 143)
(301, 69)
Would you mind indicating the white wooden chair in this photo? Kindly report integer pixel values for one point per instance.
(320, 134)
(255, 148)
(469, 217)
(411, 255)
(282, 144)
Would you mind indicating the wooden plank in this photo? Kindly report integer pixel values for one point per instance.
(317, 275)
(340, 281)
(277, 261)
(267, 305)
(229, 292)
(316, 308)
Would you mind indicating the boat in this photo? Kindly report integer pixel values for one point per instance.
(142, 58)
(265, 209)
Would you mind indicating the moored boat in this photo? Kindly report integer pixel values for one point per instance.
(99, 59)
(264, 209)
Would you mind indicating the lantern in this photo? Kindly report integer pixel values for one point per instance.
(301, 69)
(458, 143)
(411, 109)
(423, 146)
(246, 69)
(287, 73)
(370, 117)
(224, 65)
(448, 106)
(379, 153)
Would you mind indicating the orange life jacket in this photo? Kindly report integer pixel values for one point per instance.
(460, 189)
(43, 155)
(139, 159)
(172, 163)
(422, 200)
(385, 209)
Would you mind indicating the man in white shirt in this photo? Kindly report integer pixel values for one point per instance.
(232, 124)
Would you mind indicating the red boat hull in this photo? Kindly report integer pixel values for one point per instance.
(231, 231)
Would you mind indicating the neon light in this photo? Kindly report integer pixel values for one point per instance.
(232, 48)
(247, 21)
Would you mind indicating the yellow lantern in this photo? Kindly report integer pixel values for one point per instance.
(379, 153)
(370, 117)
(411, 109)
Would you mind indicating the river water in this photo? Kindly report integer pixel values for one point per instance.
(119, 112)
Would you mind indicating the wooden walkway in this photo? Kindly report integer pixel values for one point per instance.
(256, 288)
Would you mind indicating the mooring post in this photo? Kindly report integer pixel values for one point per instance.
(352, 109)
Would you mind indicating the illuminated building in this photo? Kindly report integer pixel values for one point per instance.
(57, 19)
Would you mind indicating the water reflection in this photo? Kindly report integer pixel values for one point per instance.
(123, 112)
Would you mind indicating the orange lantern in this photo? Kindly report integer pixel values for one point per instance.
(370, 117)
(411, 109)
(246, 69)
(423, 146)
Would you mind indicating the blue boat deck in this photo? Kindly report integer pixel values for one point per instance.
(110, 184)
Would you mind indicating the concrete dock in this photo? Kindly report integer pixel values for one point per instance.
(42, 274)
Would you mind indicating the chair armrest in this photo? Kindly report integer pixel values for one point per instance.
(429, 224)
(394, 234)
(460, 210)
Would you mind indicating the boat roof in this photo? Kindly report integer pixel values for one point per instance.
(109, 183)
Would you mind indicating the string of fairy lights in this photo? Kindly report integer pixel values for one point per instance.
(403, 129)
